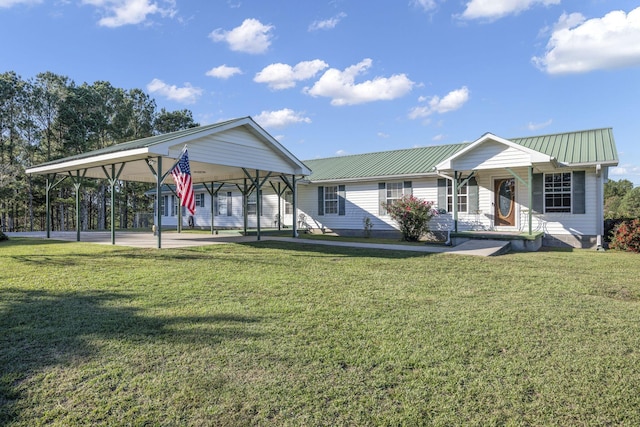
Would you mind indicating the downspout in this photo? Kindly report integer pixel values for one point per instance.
(600, 207)
(530, 200)
(212, 207)
(294, 203)
(455, 201)
(159, 178)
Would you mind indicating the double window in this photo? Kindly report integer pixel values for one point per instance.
(557, 192)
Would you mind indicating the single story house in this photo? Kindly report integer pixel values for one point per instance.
(552, 185)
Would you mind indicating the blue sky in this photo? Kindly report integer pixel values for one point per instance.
(335, 77)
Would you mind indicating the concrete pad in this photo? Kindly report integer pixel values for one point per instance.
(182, 240)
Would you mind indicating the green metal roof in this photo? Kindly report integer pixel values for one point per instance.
(412, 161)
(582, 147)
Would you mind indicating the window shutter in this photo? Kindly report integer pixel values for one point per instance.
(408, 189)
(229, 198)
(578, 196)
(442, 193)
(341, 200)
(321, 200)
(474, 202)
(538, 192)
(382, 198)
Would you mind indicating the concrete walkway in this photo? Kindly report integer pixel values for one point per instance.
(181, 240)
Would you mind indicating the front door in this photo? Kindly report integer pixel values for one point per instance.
(505, 200)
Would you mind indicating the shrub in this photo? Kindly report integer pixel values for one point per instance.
(412, 215)
(3, 236)
(626, 237)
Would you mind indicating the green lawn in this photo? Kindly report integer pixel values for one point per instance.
(270, 333)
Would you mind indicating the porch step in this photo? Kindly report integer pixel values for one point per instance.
(482, 247)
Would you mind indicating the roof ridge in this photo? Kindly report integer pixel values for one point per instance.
(609, 128)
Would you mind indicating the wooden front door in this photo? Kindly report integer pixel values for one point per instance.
(505, 201)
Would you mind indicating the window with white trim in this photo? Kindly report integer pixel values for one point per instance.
(394, 191)
(463, 197)
(557, 192)
(331, 199)
(252, 203)
(288, 202)
(389, 192)
(223, 203)
(174, 205)
(199, 200)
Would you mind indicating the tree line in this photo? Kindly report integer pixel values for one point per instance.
(48, 117)
(621, 200)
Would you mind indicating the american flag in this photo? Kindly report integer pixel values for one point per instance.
(184, 186)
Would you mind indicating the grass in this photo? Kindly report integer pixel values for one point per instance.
(268, 333)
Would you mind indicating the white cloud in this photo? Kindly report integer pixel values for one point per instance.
(383, 135)
(340, 86)
(186, 95)
(283, 76)
(495, 9)
(125, 12)
(626, 171)
(223, 72)
(342, 153)
(536, 126)
(251, 36)
(10, 3)
(439, 137)
(578, 45)
(450, 102)
(427, 5)
(327, 24)
(280, 118)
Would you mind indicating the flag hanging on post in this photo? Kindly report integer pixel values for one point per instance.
(181, 174)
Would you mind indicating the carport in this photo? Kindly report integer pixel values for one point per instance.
(235, 151)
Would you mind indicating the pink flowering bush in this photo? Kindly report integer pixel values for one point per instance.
(412, 215)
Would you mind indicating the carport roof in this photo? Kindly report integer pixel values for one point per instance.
(218, 152)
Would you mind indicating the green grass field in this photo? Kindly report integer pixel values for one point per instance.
(270, 333)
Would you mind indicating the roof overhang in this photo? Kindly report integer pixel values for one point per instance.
(214, 155)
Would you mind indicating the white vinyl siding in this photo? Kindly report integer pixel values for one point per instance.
(492, 155)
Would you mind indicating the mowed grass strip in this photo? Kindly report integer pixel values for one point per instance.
(270, 333)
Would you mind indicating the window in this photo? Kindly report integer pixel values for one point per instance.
(165, 205)
(252, 203)
(331, 200)
(463, 193)
(288, 203)
(557, 192)
(174, 205)
(394, 191)
(468, 195)
(199, 200)
(391, 191)
(223, 204)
